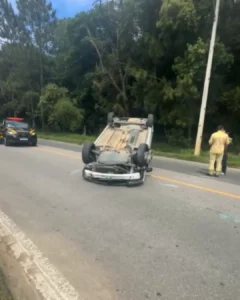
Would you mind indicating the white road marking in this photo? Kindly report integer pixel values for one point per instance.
(47, 280)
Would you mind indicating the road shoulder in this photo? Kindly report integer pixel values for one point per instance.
(29, 274)
(14, 275)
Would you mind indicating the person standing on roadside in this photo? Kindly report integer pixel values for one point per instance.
(219, 140)
(225, 157)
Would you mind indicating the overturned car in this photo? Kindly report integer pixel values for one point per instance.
(121, 153)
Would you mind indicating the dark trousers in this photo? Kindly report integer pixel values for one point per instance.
(224, 163)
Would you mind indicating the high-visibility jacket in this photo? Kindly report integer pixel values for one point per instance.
(218, 141)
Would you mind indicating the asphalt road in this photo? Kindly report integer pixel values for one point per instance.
(179, 166)
(176, 237)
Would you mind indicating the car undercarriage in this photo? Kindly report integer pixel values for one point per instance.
(121, 153)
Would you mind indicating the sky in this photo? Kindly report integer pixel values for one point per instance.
(68, 8)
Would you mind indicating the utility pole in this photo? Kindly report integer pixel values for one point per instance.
(206, 82)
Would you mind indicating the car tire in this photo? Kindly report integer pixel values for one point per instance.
(150, 120)
(110, 118)
(87, 153)
(140, 155)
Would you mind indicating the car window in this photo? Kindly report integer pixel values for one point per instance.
(13, 124)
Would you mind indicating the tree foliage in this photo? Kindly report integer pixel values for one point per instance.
(131, 56)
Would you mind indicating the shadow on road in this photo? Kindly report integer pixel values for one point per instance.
(202, 172)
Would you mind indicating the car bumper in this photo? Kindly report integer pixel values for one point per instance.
(110, 176)
(129, 179)
(18, 140)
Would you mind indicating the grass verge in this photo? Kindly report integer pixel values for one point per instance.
(159, 149)
(73, 138)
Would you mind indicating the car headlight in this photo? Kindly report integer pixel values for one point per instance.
(32, 132)
(11, 132)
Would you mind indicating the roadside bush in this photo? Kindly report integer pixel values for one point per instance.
(67, 116)
(176, 138)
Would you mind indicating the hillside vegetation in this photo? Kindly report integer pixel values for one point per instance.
(132, 57)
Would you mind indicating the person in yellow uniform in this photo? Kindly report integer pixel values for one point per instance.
(219, 140)
(225, 157)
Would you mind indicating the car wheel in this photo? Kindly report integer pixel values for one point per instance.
(110, 118)
(150, 120)
(141, 155)
(34, 144)
(87, 153)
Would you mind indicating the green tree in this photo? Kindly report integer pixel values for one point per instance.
(39, 18)
(67, 116)
(190, 71)
(50, 95)
(112, 40)
(19, 75)
(54, 101)
(10, 26)
(134, 57)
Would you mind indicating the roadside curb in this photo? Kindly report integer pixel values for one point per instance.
(28, 273)
(78, 148)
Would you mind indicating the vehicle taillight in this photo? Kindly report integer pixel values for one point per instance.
(14, 119)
